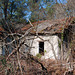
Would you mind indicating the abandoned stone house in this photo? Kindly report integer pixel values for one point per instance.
(45, 38)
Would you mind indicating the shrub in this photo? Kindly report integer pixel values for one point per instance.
(39, 55)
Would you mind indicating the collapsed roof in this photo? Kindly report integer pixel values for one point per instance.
(44, 27)
(47, 26)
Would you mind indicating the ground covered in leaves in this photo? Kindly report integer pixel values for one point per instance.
(31, 67)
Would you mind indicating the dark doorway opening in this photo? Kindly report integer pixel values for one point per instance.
(41, 48)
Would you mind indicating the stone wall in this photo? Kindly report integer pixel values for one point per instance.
(34, 43)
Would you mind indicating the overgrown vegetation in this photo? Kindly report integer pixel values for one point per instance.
(39, 55)
(14, 15)
(59, 43)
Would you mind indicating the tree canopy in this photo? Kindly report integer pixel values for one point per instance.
(35, 10)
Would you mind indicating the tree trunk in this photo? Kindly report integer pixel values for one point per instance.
(5, 8)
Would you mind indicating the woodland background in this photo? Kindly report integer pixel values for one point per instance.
(17, 13)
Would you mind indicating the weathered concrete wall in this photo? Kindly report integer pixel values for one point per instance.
(47, 46)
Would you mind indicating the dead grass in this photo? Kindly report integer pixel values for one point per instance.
(30, 67)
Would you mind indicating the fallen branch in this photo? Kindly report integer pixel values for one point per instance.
(19, 63)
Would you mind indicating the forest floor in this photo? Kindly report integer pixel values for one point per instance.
(30, 67)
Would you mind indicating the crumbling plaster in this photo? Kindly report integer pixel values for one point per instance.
(34, 43)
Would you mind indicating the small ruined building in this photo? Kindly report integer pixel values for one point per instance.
(48, 39)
